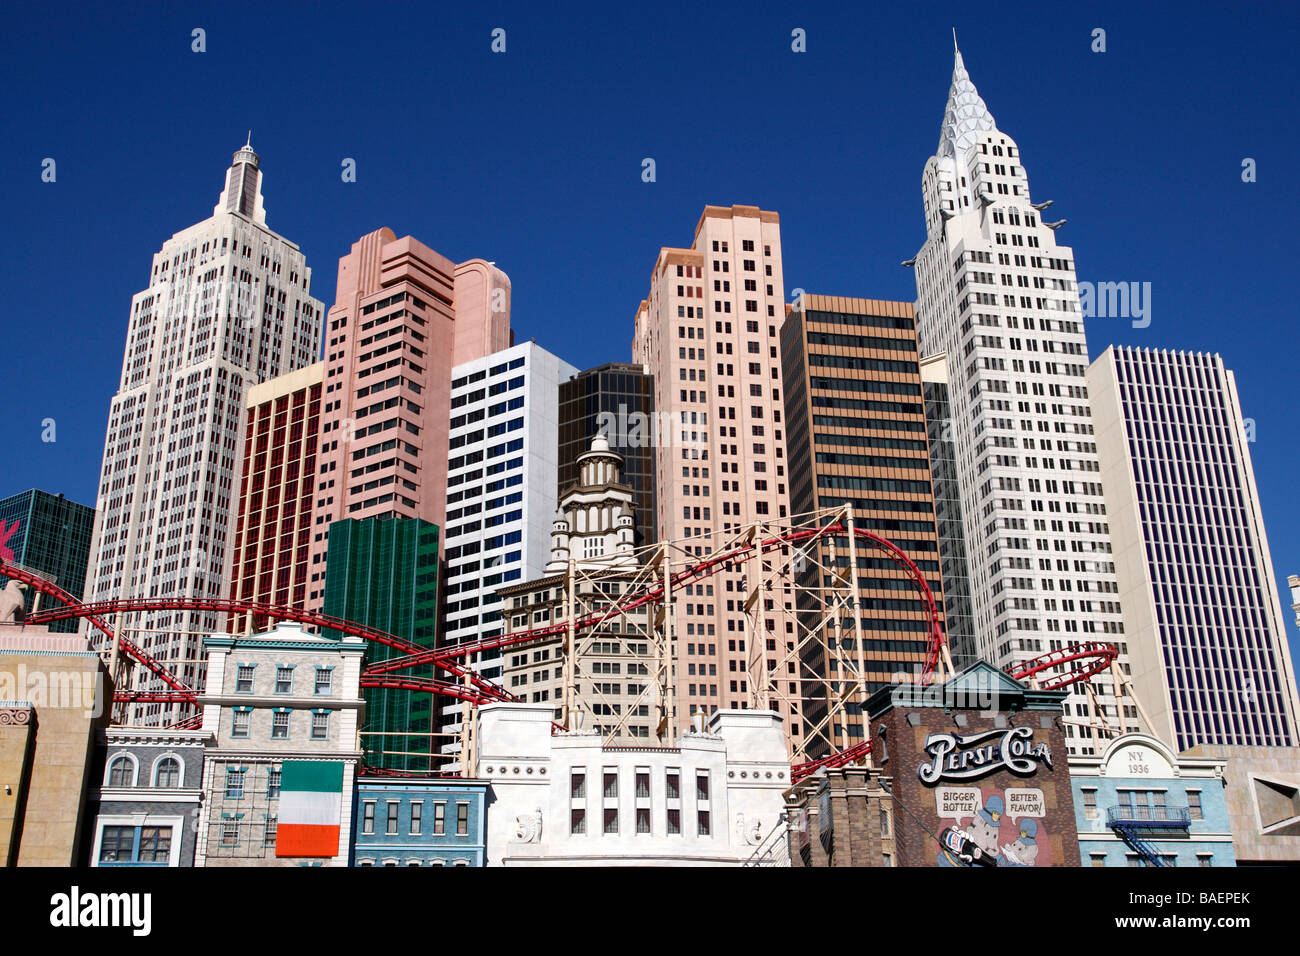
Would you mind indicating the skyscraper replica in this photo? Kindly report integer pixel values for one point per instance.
(1205, 628)
(228, 305)
(997, 295)
(500, 504)
(857, 438)
(611, 674)
(708, 333)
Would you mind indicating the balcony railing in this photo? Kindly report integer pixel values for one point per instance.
(1163, 818)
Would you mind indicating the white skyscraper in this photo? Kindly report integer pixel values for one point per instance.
(228, 305)
(502, 473)
(1205, 627)
(998, 296)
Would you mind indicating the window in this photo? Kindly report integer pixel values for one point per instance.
(1194, 804)
(417, 813)
(391, 818)
(235, 783)
(324, 681)
(1090, 803)
(122, 772)
(674, 785)
(244, 679)
(1205, 859)
(283, 680)
(702, 786)
(439, 818)
(611, 784)
(368, 817)
(239, 721)
(577, 820)
(117, 845)
(155, 845)
(642, 819)
(268, 832)
(643, 782)
(229, 833)
(1097, 859)
(611, 819)
(704, 822)
(578, 785)
(168, 773)
(462, 819)
(280, 725)
(320, 725)
(674, 820)
(273, 784)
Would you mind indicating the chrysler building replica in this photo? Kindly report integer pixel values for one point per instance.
(228, 306)
(997, 295)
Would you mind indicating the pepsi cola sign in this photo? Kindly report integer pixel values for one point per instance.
(958, 757)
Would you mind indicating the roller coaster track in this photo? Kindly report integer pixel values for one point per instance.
(1085, 660)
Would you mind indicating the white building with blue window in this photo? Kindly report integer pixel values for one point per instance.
(283, 695)
(502, 476)
(411, 821)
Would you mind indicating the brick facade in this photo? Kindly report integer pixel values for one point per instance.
(1019, 811)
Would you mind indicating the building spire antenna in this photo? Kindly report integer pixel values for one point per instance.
(248, 144)
(954, 40)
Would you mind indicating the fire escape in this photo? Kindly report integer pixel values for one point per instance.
(1137, 825)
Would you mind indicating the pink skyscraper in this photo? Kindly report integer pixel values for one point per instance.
(403, 316)
(709, 333)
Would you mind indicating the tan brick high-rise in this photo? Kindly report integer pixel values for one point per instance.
(709, 333)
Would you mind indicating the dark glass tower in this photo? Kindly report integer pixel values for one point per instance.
(618, 399)
(50, 535)
(383, 572)
(856, 435)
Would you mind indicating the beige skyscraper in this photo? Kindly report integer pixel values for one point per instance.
(708, 331)
(228, 305)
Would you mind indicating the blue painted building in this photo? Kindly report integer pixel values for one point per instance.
(419, 821)
(1140, 804)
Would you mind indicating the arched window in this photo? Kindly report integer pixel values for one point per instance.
(121, 772)
(167, 773)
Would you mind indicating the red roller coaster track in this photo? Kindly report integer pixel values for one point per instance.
(1088, 659)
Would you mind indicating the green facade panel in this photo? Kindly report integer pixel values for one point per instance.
(383, 573)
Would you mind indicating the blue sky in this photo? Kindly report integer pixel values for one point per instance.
(532, 158)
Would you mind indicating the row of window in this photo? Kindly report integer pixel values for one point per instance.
(322, 686)
(281, 717)
(415, 817)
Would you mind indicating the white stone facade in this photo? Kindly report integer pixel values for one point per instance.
(228, 306)
(614, 661)
(564, 799)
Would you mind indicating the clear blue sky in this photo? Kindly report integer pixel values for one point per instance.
(1140, 147)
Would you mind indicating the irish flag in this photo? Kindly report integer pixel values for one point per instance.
(311, 803)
